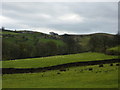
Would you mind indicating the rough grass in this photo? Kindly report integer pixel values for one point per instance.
(58, 42)
(99, 77)
(12, 33)
(54, 60)
(114, 50)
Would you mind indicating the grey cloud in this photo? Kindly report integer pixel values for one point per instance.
(99, 17)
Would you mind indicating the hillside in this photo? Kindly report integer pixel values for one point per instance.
(55, 60)
(114, 50)
(16, 44)
(31, 56)
(20, 42)
(74, 77)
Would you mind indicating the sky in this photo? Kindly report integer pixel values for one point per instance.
(61, 17)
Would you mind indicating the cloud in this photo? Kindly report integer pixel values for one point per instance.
(75, 17)
(44, 16)
(6, 19)
(47, 30)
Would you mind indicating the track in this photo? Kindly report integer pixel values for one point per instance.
(57, 67)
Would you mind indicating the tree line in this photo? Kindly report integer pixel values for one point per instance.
(24, 48)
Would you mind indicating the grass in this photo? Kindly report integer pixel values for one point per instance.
(99, 77)
(58, 42)
(115, 48)
(54, 60)
(0, 81)
(12, 33)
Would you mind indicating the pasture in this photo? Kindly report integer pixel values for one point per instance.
(55, 60)
(58, 42)
(113, 50)
(74, 77)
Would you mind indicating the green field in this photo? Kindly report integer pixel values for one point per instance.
(114, 49)
(12, 33)
(73, 77)
(55, 60)
(76, 77)
(58, 42)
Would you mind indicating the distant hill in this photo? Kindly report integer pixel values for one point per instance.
(24, 44)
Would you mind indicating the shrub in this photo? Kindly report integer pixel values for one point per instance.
(113, 51)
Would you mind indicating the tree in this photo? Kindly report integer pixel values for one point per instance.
(72, 45)
(40, 49)
(3, 28)
(99, 43)
(51, 48)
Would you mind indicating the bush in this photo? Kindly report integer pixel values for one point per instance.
(113, 51)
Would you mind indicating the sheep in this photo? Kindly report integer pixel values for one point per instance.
(117, 64)
(101, 65)
(111, 64)
(90, 69)
(58, 73)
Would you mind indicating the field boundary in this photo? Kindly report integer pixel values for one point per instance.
(57, 67)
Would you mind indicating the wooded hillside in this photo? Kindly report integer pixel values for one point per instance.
(24, 44)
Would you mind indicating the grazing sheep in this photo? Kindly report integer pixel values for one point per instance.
(111, 64)
(101, 65)
(90, 69)
(58, 73)
(117, 64)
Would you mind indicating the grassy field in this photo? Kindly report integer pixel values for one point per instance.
(59, 42)
(12, 33)
(54, 60)
(76, 77)
(113, 50)
(117, 48)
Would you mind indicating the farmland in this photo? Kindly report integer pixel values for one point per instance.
(31, 44)
(37, 60)
(55, 60)
(92, 76)
(75, 77)
(114, 50)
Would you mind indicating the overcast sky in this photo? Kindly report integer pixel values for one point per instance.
(71, 18)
